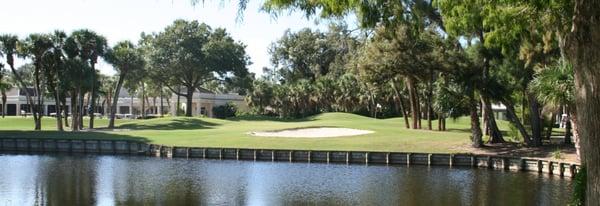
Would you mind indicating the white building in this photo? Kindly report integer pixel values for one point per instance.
(128, 106)
(499, 111)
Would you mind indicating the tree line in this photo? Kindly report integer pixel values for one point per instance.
(184, 57)
(539, 54)
(415, 73)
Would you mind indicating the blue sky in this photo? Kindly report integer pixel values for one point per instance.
(125, 19)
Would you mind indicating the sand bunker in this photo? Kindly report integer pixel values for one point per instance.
(312, 132)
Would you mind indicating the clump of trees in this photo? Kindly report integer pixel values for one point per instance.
(193, 54)
(313, 72)
(59, 66)
(63, 67)
(428, 61)
(225, 111)
(497, 52)
(127, 60)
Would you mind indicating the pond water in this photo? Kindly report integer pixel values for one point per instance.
(130, 180)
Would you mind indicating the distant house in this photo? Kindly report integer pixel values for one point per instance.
(130, 106)
(499, 111)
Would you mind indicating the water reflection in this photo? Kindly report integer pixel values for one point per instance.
(108, 180)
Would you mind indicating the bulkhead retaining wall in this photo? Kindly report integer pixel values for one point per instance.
(92, 146)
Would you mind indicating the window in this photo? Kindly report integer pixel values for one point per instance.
(123, 110)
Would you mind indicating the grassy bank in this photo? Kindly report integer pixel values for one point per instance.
(389, 134)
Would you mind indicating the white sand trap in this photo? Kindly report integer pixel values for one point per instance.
(317, 132)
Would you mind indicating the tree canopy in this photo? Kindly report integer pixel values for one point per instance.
(192, 54)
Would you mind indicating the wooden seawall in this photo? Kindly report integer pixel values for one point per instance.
(41, 145)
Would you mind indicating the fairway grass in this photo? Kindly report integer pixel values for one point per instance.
(389, 134)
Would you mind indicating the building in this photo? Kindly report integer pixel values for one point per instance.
(500, 111)
(129, 106)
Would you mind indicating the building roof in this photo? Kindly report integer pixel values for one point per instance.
(498, 107)
(199, 90)
(124, 93)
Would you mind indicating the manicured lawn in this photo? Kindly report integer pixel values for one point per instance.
(390, 134)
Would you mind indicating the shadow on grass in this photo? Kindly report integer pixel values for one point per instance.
(270, 118)
(68, 135)
(466, 130)
(505, 133)
(515, 149)
(173, 124)
(299, 128)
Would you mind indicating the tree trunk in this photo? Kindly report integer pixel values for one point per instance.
(429, 112)
(92, 102)
(418, 106)
(115, 100)
(413, 102)
(583, 44)
(154, 109)
(476, 138)
(373, 106)
(36, 107)
(569, 131)
(59, 125)
(10, 61)
(401, 104)
(550, 126)
(512, 117)
(429, 97)
(107, 104)
(143, 102)
(494, 131)
(484, 118)
(443, 122)
(575, 132)
(189, 96)
(81, 111)
(65, 111)
(178, 104)
(3, 104)
(131, 104)
(486, 106)
(404, 112)
(523, 110)
(440, 120)
(74, 111)
(161, 103)
(536, 123)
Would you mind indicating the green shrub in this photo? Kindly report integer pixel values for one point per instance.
(514, 135)
(557, 154)
(225, 111)
(579, 184)
(180, 112)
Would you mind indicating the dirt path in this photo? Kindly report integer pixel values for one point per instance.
(554, 152)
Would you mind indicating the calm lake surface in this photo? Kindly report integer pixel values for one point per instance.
(130, 180)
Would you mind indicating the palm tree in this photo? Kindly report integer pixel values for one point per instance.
(88, 46)
(8, 46)
(555, 86)
(74, 81)
(5, 85)
(53, 63)
(1, 87)
(108, 84)
(36, 46)
(398, 98)
(325, 87)
(260, 96)
(348, 92)
(126, 59)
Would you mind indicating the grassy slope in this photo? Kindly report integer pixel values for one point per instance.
(390, 134)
